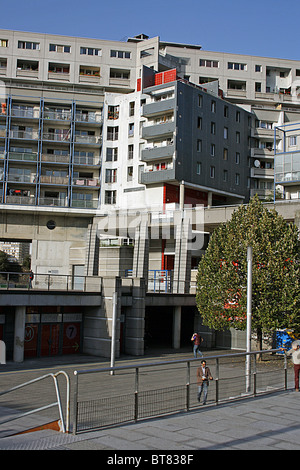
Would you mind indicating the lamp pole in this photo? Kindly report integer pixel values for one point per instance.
(249, 315)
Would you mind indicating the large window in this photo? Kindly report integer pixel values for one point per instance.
(120, 54)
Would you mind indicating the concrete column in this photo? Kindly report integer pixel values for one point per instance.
(176, 327)
(181, 195)
(19, 336)
(209, 199)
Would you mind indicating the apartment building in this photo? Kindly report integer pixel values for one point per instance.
(267, 87)
(173, 142)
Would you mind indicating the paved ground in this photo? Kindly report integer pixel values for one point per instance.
(269, 422)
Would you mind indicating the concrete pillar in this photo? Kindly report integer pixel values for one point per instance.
(176, 327)
(209, 199)
(19, 335)
(181, 195)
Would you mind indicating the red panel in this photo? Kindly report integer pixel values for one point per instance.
(170, 76)
(139, 84)
(158, 78)
(71, 338)
(50, 340)
(31, 340)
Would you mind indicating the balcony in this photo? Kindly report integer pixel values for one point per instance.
(24, 157)
(88, 139)
(158, 107)
(49, 157)
(149, 177)
(89, 117)
(51, 201)
(21, 178)
(21, 200)
(86, 161)
(87, 182)
(262, 173)
(57, 137)
(25, 113)
(158, 130)
(156, 153)
(26, 135)
(57, 115)
(55, 180)
(85, 204)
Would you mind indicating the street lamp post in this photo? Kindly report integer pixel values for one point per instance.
(249, 316)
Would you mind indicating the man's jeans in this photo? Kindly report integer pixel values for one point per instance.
(196, 349)
(203, 388)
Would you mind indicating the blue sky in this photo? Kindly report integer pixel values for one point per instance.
(266, 28)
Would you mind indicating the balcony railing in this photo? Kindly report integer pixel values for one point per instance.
(50, 179)
(91, 182)
(85, 204)
(25, 157)
(49, 282)
(57, 137)
(29, 135)
(88, 139)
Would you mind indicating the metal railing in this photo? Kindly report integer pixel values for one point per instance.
(65, 420)
(156, 389)
(49, 282)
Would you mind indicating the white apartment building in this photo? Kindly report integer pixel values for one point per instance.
(54, 96)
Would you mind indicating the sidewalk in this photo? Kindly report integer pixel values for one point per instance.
(268, 422)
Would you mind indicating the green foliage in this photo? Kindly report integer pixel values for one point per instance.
(222, 272)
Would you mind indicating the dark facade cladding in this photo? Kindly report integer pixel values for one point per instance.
(212, 141)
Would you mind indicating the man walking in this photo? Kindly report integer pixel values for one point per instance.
(203, 376)
(197, 340)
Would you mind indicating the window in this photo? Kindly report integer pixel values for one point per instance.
(236, 66)
(118, 73)
(225, 175)
(258, 68)
(113, 112)
(29, 45)
(212, 171)
(131, 129)
(110, 176)
(258, 87)
(200, 101)
(199, 168)
(113, 133)
(199, 122)
(59, 48)
(199, 145)
(237, 179)
(238, 138)
(129, 173)
(59, 68)
(3, 42)
(212, 150)
(91, 71)
(213, 128)
(130, 152)
(293, 140)
(90, 51)
(28, 65)
(237, 158)
(131, 108)
(225, 132)
(110, 197)
(208, 63)
(213, 106)
(112, 154)
(120, 54)
(225, 154)
(225, 111)
(238, 116)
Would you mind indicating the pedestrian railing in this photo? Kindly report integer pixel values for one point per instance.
(49, 282)
(64, 417)
(131, 393)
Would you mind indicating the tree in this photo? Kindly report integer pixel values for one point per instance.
(221, 295)
(4, 263)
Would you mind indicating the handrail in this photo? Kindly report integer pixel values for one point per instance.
(103, 413)
(65, 426)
